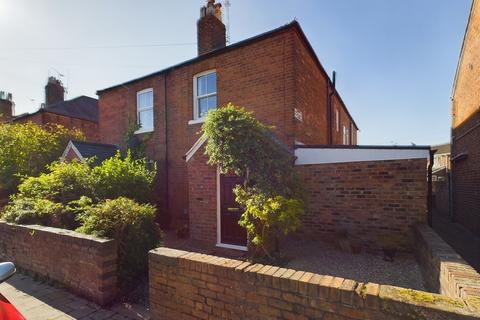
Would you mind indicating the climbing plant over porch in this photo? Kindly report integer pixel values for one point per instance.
(270, 195)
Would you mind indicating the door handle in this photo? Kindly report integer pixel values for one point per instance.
(233, 209)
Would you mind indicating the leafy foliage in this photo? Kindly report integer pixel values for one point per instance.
(26, 149)
(134, 142)
(132, 224)
(126, 177)
(73, 185)
(33, 211)
(238, 143)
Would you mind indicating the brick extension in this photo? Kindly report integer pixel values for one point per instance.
(185, 285)
(84, 264)
(365, 199)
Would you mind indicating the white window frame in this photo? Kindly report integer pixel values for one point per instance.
(196, 117)
(344, 135)
(337, 120)
(145, 130)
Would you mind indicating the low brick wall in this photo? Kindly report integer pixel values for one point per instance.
(443, 269)
(365, 200)
(84, 264)
(186, 285)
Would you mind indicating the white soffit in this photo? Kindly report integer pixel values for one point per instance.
(307, 156)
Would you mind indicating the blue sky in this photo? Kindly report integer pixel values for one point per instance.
(395, 59)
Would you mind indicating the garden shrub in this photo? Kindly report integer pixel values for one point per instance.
(64, 182)
(26, 149)
(132, 225)
(32, 211)
(127, 177)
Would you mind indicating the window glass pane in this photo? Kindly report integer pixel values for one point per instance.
(212, 83)
(202, 107)
(212, 102)
(145, 100)
(202, 86)
(146, 119)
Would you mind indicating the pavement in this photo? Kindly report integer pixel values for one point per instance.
(41, 301)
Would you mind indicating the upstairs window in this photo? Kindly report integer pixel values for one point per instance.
(205, 94)
(145, 110)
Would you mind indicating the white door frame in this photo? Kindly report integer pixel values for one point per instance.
(219, 221)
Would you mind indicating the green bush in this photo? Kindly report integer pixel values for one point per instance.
(134, 227)
(64, 182)
(32, 211)
(128, 177)
(26, 149)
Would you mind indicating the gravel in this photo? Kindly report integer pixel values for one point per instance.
(323, 258)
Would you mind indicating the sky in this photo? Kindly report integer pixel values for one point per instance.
(395, 59)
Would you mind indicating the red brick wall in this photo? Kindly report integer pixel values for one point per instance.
(261, 77)
(443, 269)
(89, 128)
(365, 199)
(186, 285)
(466, 129)
(202, 182)
(466, 174)
(84, 264)
(344, 120)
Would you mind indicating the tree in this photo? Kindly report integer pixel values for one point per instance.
(270, 195)
(26, 149)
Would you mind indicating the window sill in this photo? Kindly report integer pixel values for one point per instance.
(143, 131)
(196, 121)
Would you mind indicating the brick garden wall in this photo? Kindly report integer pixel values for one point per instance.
(185, 285)
(443, 269)
(365, 200)
(84, 264)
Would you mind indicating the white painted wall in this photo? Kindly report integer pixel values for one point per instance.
(331, 155)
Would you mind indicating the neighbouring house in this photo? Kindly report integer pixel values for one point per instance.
(7, 107)
(82, 151)
(277, 75)
(78, 113)
(466, 128)
(462, 228)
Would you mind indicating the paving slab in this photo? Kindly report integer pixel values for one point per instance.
(40, 301)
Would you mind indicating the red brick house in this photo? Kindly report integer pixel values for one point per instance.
(463, 229)
(277, 75)
(78, 113)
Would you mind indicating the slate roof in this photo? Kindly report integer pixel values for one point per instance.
(82, 107)
(100, 151)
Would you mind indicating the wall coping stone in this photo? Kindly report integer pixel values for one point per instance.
(359, 298)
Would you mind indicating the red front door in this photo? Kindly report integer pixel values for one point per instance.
(230, 212)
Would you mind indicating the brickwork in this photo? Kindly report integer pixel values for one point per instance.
(185, 285)
(366, 200)
(89, 128)
(443, 269)
(84, 264)
(202, 182)
(466, 129)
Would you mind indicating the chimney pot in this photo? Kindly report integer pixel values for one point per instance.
(211, 32)
(54, 91)
(7, 107)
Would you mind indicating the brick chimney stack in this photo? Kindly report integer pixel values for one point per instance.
(6, 107)
(211, 32)
(54, 91)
